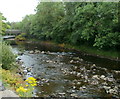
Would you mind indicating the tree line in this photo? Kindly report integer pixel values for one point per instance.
(76, 23)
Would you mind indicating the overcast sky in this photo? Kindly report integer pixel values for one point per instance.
(15, 10)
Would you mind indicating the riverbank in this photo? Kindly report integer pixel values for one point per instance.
(90, 51)
(66, 73)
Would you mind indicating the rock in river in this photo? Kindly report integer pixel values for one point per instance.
(31, 52)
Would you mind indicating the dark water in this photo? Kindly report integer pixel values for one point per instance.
(65, 73)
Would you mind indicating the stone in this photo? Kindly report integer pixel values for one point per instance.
(78, 74)
(81, 59)
(71, 61)
(84, 87)
(43, 52)
(106, 87)
(37, 51)
(61, 93)
(20, 53)
(103, 77)
(2, 88)
(74, 95)
(75, 67)
(95, 77)
(29, 69)
(74, 87)
(19, 58)
(109, 79)
(93, 65)
(78, 83)
(94, 82)
(31, 52)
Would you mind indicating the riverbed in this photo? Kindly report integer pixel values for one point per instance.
(66, 73)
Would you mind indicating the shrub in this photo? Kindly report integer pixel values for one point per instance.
(11, 80)
(7, 56)
(21, 37)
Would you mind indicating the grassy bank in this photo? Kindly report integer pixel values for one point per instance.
(113, 54)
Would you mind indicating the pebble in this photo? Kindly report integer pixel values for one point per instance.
(61, 93)
(71, 61)
(110, 79)
(31, 52)
(74, 87)
(118, 72)
(95, 82)
(75, 67)
(37, 51)
(29, 69)
(103, 77)
(78, 83)
(73, 90)
(84, 87)
(95, 77)
(93, 65)
(43, 52)
(25, 71)
(78, 74)
(106, 87)
(23, 66)
(74, 95)
(81, 59)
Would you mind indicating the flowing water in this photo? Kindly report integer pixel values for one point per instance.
(66, 73)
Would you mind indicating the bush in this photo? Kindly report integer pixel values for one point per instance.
(21, 37)
(7, 56)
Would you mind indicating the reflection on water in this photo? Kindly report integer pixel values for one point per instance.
(67, 73)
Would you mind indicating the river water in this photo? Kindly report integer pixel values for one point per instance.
(66, 73)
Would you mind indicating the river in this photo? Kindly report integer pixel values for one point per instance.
(67, 73)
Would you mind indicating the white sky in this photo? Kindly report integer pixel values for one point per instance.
(15, 10)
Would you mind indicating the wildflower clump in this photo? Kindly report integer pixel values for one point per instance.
(32, 81)
(27, 91)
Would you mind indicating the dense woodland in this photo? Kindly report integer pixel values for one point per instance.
(94, 24)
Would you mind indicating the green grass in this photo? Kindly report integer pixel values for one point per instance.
(91, 50)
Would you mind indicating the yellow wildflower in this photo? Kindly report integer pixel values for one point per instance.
(31, 80)
(34, 84)
(21, 89)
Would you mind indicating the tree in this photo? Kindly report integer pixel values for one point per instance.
(3, 25)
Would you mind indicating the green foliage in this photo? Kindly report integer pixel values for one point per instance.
(21, 37)
(78, 23)
(15, 25)
(3, 24)
(7, 56)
